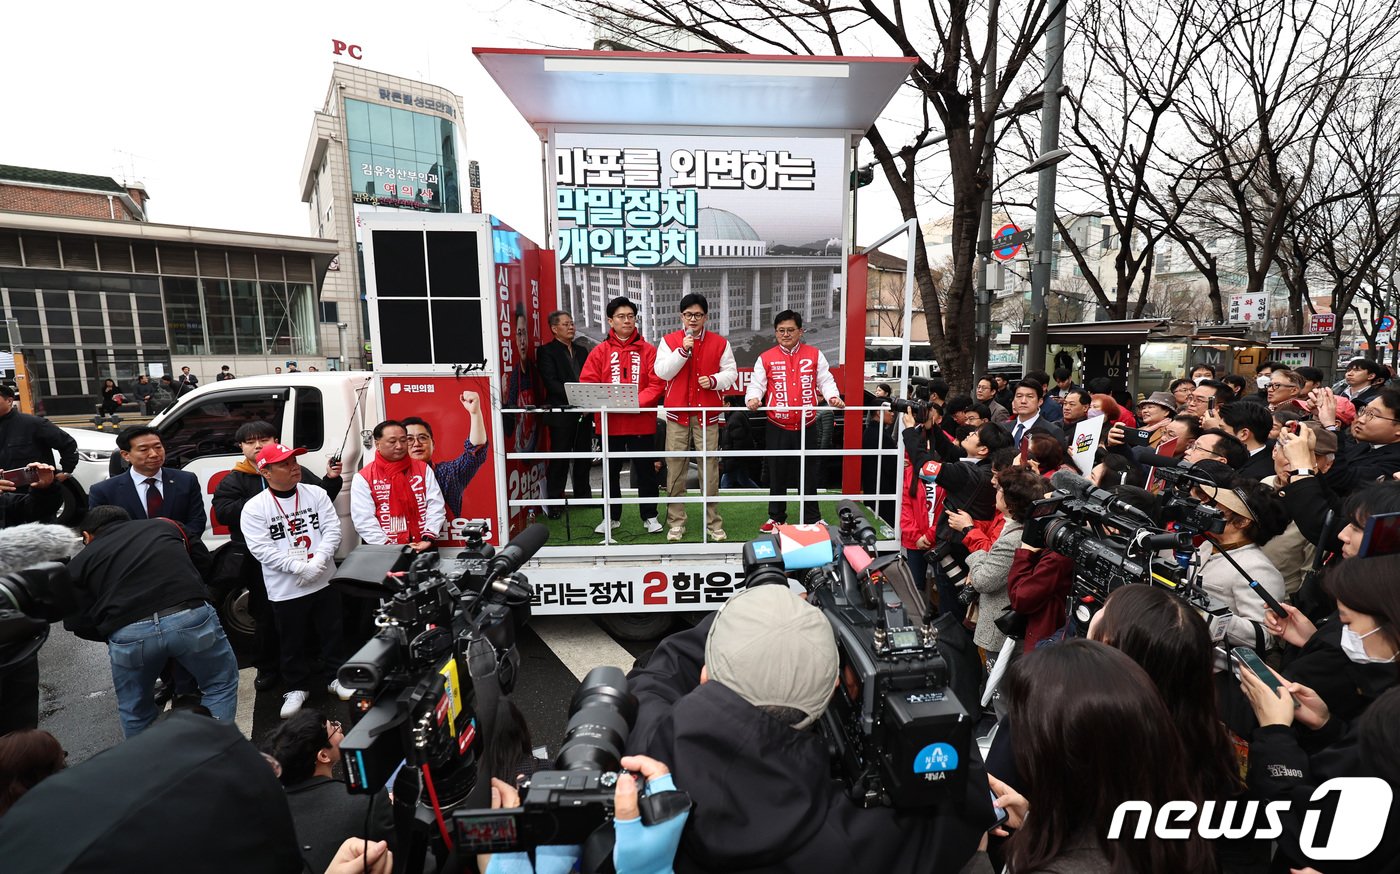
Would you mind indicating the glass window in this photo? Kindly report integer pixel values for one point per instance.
(381, 126)
(357, 121)
(407, 161)
(23, 298)
(207, 428)
(56, 302)
(247, 326)
(309, 425)
(182, 314)
(218, 316)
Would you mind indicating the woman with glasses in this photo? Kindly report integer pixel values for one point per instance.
(1253, 515)
(307, 748)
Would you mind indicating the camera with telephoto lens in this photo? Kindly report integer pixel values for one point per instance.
(899, 735)
(571, 803)
(1113, 543)
(917, 409)
(415, 702)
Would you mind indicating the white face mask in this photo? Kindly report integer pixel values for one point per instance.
(1199, 379)
(1355, 648)
(1094, 412)
(1261, 381)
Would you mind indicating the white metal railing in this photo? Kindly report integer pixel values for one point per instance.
(893, 454)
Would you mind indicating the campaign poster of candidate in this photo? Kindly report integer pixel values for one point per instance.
(520, 329)
(455, 438)
(753, 223)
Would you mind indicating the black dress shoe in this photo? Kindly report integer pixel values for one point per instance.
(554, 513)
(265, 680)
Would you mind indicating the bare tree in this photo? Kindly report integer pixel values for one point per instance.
(952, 43)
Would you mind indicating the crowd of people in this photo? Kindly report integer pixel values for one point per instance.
(1141, 700)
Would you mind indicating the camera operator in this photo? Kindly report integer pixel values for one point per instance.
(1039, 581)
(138, 591)
(1349, 658)
(1253, 515)
(965, 478)
(729, 704)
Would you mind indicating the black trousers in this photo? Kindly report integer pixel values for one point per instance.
(643, 473)
(577, 437)
(19, 696)
(783, 473)
(297, 620)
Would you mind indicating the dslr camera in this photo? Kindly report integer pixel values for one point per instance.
(899, 735)
(571, 803)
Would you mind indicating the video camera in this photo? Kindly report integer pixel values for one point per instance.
(900, 735)
(917, 409)
(1113, 543)
(415, 701)
(570, 804)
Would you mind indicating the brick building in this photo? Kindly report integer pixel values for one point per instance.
(54, 192)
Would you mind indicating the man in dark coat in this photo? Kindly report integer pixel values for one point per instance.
(26, 439)
(560, 361)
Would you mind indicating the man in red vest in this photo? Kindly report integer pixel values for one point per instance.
(624, 358)
(697, 365)
(791, 374)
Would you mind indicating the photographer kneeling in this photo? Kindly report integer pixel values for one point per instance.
(729, 706)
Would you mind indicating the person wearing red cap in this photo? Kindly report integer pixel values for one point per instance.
(293, 531)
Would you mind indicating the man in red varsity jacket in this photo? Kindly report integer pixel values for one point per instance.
(792, 374)
(625, 358)
(697, 366)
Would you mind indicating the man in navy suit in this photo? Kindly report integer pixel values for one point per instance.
(148, 490)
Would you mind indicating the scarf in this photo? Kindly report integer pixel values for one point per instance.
(400, 497)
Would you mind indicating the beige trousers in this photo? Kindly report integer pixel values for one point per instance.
(681, 438)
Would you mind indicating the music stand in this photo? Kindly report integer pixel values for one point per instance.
(605, 395)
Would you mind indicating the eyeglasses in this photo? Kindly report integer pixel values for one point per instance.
(625, 317)
(1281, 386)
(1195, 444)
(420, 439)
(788, 330)
(1368, 413)
(335, 727)
(692, 317)
(1205, 399)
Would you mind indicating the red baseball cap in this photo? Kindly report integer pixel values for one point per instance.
(275, 452)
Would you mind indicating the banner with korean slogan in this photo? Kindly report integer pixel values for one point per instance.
(1085, 442)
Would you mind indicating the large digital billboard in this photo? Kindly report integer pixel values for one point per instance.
(754, 223)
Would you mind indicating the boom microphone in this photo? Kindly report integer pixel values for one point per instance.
(24, 546)
(520, 550)
(1067, 481)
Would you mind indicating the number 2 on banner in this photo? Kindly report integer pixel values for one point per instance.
(655, 584)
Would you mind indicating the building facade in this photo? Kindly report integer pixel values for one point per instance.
(55, 192)
(379, 142)
(96, 298)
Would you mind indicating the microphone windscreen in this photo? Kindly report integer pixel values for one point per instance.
(1067, 481)
(24, 546)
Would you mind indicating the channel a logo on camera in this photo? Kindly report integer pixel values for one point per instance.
(1362, 806)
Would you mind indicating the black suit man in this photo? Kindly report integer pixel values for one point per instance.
(149, 490)
(1026, 400)
(560, 362)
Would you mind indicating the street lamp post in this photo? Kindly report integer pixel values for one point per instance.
(1050, 155)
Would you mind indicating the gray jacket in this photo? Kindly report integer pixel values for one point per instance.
(987, 572)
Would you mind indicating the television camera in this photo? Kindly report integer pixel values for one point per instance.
(443, 655)
(899, 733)
(1114, 543)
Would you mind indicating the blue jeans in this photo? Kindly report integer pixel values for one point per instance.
(193, 638)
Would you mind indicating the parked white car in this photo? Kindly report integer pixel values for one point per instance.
(95, 451)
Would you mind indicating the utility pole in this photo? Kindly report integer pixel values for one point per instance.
(981, 351)
(1045, 189)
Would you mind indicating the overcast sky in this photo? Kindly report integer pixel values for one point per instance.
(210, 105)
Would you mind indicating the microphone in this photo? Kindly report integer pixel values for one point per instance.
(24, 546)
(520, 550)
(1066, 481)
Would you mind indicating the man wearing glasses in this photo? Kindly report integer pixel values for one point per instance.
(1283, 388)
(453, 476)
(1199, 402)
(1370, 448)
(1217, 445)
(791, 374)
(697, 366)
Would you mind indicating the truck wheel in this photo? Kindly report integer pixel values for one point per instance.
(636, 626)
(238, 622)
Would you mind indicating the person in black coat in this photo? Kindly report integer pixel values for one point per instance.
(26, 439)
(729, 706)
(307, 748)
(560, 361)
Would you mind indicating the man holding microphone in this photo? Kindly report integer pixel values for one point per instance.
(697, 366)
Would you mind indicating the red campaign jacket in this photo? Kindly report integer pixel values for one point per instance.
(617, 362)
(983, 533)
(914, 517)
(684, 389)
(792, 383)
(1037, 587)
